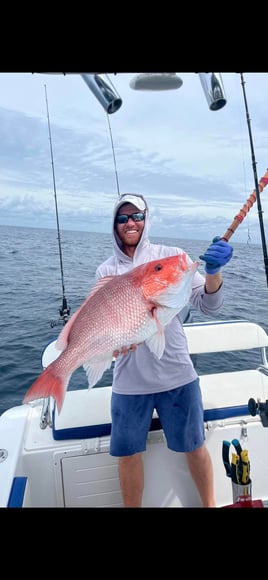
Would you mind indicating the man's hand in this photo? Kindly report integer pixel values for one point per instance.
(217, 255)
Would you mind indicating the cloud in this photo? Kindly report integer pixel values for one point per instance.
(193, 165)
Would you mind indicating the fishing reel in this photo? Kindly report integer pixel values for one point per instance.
(64, 314)
(63, 318)
(256, 407)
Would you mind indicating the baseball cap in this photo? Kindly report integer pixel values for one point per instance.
(129, 198)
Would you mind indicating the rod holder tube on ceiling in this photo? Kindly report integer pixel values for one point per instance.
(214, 90)
(103, 91)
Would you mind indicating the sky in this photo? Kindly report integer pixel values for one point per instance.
(193, 165)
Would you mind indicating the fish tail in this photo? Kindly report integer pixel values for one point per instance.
(48, 384)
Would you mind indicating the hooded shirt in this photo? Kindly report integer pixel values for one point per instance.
(140, 371)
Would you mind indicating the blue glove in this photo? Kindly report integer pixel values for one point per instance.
(217, 255)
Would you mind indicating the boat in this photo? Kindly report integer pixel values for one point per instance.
(52, 460)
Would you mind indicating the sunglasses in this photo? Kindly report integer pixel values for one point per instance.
(123, 217)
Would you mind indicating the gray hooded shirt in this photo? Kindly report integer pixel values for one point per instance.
(141, 372)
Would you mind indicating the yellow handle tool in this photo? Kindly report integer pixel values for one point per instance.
(235, 468)
(245, 466)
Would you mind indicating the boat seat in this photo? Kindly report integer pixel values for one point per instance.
(86, 413)
(92, 417)
(225, 395)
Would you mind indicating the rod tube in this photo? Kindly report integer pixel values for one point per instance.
(106, 94)
(213, 88)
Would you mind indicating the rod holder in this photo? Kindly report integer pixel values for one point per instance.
(104, 92)
(214, 90)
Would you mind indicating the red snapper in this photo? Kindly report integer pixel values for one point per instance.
(119, 311)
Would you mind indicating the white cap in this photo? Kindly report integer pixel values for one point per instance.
(129, 198)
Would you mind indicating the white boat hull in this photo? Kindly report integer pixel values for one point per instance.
(68, 463)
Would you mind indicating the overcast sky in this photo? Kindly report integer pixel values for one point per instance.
(193, 165)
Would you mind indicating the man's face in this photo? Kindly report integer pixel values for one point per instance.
(131, 231)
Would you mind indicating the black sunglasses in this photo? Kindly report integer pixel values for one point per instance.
(123, 217)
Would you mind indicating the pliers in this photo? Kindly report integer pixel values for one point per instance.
(234, 470)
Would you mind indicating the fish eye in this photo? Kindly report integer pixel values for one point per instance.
(158, 267)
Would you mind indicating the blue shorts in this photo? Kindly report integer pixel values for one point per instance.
(180, 412)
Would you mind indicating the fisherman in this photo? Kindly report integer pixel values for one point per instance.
(141, 381)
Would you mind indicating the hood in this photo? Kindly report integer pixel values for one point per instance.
(140, 202)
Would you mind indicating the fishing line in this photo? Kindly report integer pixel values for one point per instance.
(64, 310)
(243, 138)
(115, 168)
(111, 137)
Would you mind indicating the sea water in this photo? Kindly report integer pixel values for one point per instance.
(33, 280)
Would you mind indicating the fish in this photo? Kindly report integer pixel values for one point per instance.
(118, 312)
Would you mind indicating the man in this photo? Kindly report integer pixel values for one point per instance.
(141, 381)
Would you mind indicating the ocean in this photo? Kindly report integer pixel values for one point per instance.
(31, 297)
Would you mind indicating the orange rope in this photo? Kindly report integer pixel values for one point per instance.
(245, 209)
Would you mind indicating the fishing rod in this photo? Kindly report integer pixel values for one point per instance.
(114, 159)
(255, 196)
(245, 209)
(254, 165)
(64, 310)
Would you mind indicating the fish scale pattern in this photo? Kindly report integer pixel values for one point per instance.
(119, 311)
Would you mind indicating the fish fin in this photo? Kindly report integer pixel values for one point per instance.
(48, 384)
(94, 371)
(63, 337)
(100, 283)
(156, 343)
